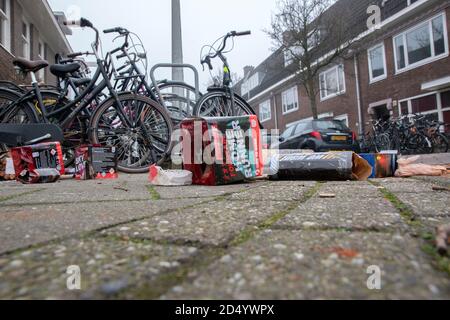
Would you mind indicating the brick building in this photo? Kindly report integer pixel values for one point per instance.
(402, 67)
(29, 29)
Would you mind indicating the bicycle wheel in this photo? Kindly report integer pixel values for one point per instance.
(440, 143)
(138, 146)
(21, 113)
(179, 99)
(420, 144)
(218, 104)
(383, 142)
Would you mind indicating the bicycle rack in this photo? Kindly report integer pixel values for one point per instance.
(171, 66)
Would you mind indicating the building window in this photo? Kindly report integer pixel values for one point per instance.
(421, 44)
(41, 56)
(290, 100)
(291, 54)
(332, 82)
(265, 112)
(26, 40)
(250, 84)
(377, 63)
(5, 24)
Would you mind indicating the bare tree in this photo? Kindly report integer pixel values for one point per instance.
(314, 34)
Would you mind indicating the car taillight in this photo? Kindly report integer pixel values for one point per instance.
(354, 136)
(316, 135)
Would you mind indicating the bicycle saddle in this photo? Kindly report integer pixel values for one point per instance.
(61, 70)
(78, 82)
(30, 66)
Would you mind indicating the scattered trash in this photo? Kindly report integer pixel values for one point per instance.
(443, 239)
(231, 153)
(40, 163)
(121, 189)
(438, 188)
(7, 167)
(171, 178)
(327, 195)
(319, 166)
(383, 164)
(408, 167)
(95, 162)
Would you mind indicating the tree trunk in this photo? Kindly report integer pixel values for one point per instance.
(313, 103)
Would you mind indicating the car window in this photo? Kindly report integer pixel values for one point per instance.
(288, 133)
(302, 128)
(329, 125)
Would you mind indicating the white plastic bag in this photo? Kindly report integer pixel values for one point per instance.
(408, 168)
(171, 178)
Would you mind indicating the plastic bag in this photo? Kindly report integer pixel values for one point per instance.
(171, 178)
(408, 168)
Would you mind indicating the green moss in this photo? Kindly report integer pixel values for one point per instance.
(154, 195)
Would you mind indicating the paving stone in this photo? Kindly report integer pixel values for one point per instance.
(27, 225)
(109, 268)
(407, 186)
(428, 204)
(215, 223)
(276, 191)
(359, 214)
(318, 265)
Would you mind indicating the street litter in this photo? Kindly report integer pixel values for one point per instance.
(384, 164)
(40, 163)
(171, 178)
(7, 167)
(95, 162)
(221, 151)
(319, 166)
(409, 167)
(327, 195)
(443, 238)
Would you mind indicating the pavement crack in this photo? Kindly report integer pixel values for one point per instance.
(6, 198)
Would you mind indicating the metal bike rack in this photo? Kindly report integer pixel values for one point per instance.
(171, 66)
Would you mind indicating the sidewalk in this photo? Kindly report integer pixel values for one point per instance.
(263, 240)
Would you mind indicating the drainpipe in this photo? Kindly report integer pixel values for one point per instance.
(358, 96)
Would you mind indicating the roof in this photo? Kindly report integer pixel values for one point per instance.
(272, 70)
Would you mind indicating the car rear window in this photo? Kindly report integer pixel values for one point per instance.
(330, 125)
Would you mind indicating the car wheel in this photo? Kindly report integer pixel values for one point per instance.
(309, 146)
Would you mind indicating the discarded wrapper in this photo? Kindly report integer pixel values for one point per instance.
(319, 166)
(95, 162)
(383, 164)
(409, 167)
(171, 178)
(40, 163)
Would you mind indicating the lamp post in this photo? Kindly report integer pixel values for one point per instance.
(177, 41)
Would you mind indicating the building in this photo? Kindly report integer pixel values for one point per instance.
(400, 68)
(29, 29)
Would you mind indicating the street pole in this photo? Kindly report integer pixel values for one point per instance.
(177, 41)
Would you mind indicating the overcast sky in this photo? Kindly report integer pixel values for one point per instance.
(203, 21)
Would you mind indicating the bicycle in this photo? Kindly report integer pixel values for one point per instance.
(222, 101)
(138, 127)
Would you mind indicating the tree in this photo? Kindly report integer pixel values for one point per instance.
(313, 34)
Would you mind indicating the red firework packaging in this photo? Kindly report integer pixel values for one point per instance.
(40, 163)
(95, 162)
(222, 151)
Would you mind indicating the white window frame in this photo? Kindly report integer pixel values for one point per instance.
(284, 98)
(26, 39)
(289, 57)
(324, 95)
(383, 76)
(265, 104)
(250, 84)
(5, 20)
(433, 57)
(41, 55)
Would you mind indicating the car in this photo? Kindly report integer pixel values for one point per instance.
(319, 136)
(268, 139)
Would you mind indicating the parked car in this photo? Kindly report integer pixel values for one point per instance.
(320, 136)
(268, 139)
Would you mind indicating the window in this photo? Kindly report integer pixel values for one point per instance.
(302, 127)
(5, 24)
(41, 55)
(290, 54)
(332, 82)
(265, 112)
(250, 84)
(288, 133)
(26, 43)
(422, 44)
(343, 118)
(290, 100)
(377, 63)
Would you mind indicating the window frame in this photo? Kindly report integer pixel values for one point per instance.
(5, 20)
(296, 100)
(26, 39)
(41, 55)
(384, 75)
(428, 60)
(268, 104)
(340, 90)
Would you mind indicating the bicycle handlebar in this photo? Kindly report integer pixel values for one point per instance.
(80, 23)
(119, 30)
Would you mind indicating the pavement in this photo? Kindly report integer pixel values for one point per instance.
(260, 240)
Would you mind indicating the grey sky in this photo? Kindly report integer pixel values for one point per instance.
(203, 22)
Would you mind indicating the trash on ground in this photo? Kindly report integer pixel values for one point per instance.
(384, 164)
(439, 188)
(327, 195)
(410, 167)
(40, 163)
(7, 167)
(443, 238)
(170, 178)
(319, 166)
(95, 162)
(229, 151)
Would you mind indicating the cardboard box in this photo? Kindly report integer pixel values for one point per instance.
(94, 162)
